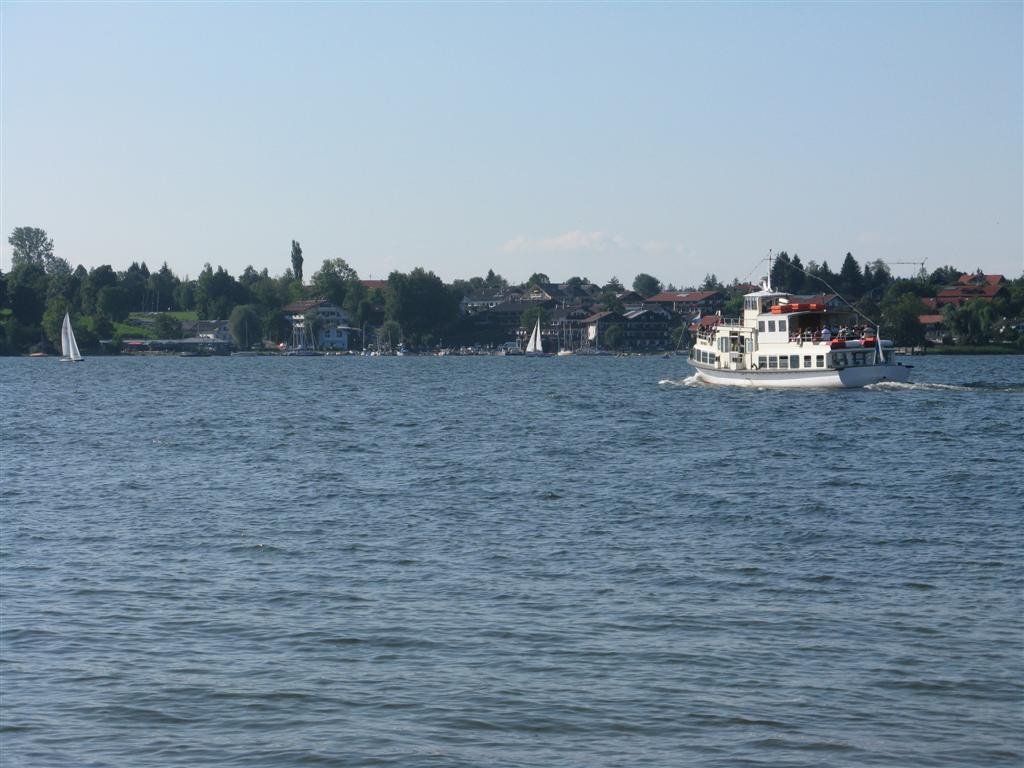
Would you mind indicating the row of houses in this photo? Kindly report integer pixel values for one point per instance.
(575, 315)
(969, 287)
(589, 295)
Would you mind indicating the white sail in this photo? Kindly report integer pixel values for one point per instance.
(68, 345)
(65, 330)
(534, 345)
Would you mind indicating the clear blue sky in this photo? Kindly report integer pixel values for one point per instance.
(575, 139)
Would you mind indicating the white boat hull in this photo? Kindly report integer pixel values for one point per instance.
(859, 376)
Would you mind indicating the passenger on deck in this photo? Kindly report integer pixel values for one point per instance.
(826, 333)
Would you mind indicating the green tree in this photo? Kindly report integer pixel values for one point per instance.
(112, 301)
(334, 279)
(31, 245)
(576, 282)
(973, 323)
(614, 285)
(646, 285)
(99, 278)
(680, 337)
(900, 319)
(610, 302)
(245, 325)
(613, 336)
(185, 295)
(494, 283)
(733, 307)
(16, 336)
(530, 316)
(851, 278)
(134, 282)
(53, 319)
(274, 325)
(102, 327)
(389, 336)
(250, 276)
(26, 291)
(538, 279)
(421, 304)
(781, 272)
(825, 275)
(162, 289)
(167, 326)
(711, 283)
(217, 293)
(945, 276)
(297, 261)
(357, 305)
(881, 276)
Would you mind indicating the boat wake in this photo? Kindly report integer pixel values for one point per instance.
(689, 381)
(971, 386)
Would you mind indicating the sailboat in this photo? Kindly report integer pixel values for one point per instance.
(534, 348)
(68, 346)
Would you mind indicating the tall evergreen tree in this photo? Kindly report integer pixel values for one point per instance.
(297, 260)
(851, 278)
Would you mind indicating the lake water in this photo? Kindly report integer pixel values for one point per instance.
(507, 561)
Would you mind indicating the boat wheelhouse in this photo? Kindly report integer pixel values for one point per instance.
(790, 341)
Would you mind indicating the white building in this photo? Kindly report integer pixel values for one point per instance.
(329, 320)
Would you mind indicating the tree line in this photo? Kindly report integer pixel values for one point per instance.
(897, 302)
(416, 306)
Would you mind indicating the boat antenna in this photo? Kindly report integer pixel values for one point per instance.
(768, 279)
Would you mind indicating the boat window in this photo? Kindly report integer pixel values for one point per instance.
(807, 361)
(794, 361)
(760, 325)
(782, 325)
(839, 359)
(819, 361)
(762, 362)
(771, 325)
(783, 362)
(859, 358)
(773, 362)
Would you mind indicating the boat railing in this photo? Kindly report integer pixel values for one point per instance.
(710, 332)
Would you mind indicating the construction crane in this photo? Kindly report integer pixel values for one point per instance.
(918, 264)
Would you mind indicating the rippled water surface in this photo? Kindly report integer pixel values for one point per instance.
(506, 561)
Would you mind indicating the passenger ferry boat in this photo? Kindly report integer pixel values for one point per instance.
(783, 342)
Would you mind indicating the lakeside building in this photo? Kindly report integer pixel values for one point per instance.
(690, 303)
(327, 320)
(642, 330)
(214, 330)
(958, 295)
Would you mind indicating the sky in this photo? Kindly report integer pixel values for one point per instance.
(590, 139)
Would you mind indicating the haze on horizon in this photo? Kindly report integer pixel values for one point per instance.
(572, 139)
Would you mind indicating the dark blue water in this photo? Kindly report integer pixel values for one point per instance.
(506, 561)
